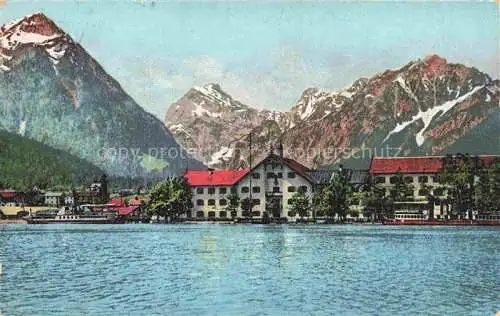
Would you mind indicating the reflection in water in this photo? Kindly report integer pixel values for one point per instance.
(248, 270)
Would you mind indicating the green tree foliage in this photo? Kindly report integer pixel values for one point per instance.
(458, 175)
(375, 202)
(25, 164)
(401, 190)
(233, 204)
(245, 207)
(299, 204)
(170, 198)
(334, 197)
(488, 188)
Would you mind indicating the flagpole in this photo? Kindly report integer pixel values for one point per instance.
(250, 164)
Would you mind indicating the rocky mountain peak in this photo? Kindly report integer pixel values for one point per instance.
(35, 30)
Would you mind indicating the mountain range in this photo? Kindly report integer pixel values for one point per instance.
(426, 107)
(54, 92)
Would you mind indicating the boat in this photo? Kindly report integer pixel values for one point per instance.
(75, 215)
(480, 220)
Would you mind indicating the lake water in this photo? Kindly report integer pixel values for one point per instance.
(249, 270)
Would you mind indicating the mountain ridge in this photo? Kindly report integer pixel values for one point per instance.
(425, 100)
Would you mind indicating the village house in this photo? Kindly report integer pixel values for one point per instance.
(53, 198)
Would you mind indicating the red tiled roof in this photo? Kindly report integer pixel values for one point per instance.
(117, 202)
(124, 211)
(406, 165)
(414, 164)
(215, 177)
(8, 194)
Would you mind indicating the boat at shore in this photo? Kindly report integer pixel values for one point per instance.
(484, 220)
(74, 215)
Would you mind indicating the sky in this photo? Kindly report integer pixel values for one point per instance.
(266, 53)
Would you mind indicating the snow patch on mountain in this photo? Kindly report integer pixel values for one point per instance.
(224, 154)
(22, 128)
(400, 80)
(25, 31)
(428, 115)
(199, 110)
(215, 94)
(178, 129)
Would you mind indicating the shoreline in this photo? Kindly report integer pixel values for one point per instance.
(13, 221)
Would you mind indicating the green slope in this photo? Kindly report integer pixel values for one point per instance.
(25, 163)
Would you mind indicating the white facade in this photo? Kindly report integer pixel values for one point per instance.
(53, 198)
(69, 200)
(269, 182)
(210, 200)
(265, 186)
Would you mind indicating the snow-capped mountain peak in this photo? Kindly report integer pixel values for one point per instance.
(214, 93)
(33, 30)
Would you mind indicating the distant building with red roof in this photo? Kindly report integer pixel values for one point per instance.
(414, 165)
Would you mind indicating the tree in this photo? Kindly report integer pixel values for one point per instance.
(233, 205)
(458, 174)
(170, 198)
(299, 204)
(318, 207)
(334, 197)
(343, 192)
(401, 191)
(488, 188)
(245, 207)
(375, 202)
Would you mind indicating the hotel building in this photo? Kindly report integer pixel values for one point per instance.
(423, 174)
(270, 185)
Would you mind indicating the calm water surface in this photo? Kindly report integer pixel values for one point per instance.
(249, 270)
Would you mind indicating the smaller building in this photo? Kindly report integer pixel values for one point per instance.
(69, 200)
(53, 198)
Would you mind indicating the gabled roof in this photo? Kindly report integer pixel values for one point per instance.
(117, 203)
(124, 211)
(290, 163)
(214, 177)
(53, 194)
(8, 194)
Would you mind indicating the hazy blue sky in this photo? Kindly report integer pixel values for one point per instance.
(266, 53)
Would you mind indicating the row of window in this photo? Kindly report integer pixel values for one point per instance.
(274, 175)
(201, 190)
(421, 192)
(224, 214)
(222, 202)
(211, 191)
(407, 179)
